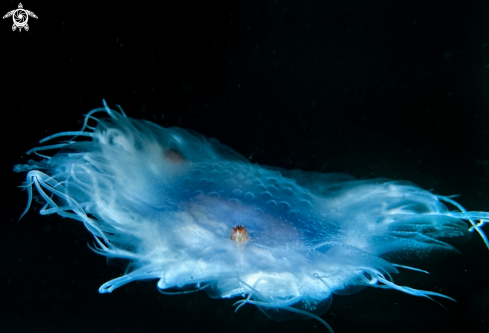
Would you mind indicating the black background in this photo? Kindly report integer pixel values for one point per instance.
(396, 89)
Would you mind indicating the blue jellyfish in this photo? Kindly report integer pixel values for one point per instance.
(193, 214)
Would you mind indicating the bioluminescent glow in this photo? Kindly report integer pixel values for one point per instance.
(192, 213)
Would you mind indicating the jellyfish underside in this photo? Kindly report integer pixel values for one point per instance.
(195, 215)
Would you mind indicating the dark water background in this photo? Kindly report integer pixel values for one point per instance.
(396, 89)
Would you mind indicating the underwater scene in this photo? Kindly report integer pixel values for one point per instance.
(246, 166)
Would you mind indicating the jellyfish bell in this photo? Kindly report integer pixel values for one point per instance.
(188, 211)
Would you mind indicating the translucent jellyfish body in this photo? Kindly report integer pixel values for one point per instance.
(190, 212)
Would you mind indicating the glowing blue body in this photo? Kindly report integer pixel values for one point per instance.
(166, 200)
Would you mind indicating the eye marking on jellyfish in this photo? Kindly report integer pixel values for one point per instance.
(240, 234)
(166, 212)
(173, 156)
